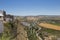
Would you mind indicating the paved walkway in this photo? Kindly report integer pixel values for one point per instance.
(22, 33)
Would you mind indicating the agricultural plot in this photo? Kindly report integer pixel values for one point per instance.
(50, 26)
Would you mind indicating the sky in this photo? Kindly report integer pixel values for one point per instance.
(31, 7)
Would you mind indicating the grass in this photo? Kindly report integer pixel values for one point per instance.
(31, 34)
(51, 31)
(8, 33)
(55, 23)
(58, 24)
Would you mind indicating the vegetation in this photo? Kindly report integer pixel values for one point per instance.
(51, 31)
(55, 23)
(31, 33)
(10, 31)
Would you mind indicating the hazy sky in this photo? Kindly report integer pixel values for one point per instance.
(31, 7)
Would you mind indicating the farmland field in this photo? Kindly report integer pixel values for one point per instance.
(50, 26)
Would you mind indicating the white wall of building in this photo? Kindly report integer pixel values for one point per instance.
(1, 21)
(1, 27)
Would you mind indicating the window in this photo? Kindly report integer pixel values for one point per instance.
(0, 16)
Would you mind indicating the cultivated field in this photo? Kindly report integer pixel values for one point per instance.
(50, 26)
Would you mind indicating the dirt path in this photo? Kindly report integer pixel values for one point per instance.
(22, 33)
(50, 26)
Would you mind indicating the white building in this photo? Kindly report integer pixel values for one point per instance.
(1, 15)
(1, 21)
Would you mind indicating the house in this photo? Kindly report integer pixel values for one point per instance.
(9, 18)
